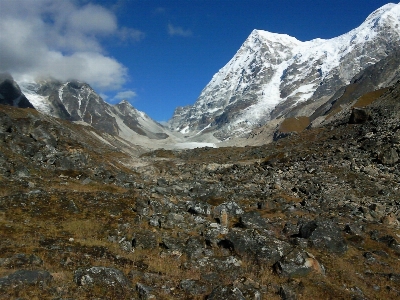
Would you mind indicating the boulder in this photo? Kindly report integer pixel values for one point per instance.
(145, 240)
(298, 263)
(193, 287)
(252, 220)
(194, 247)
(20, 260)
(359, 116)
(226, 292)
(323, 234)
(388, 156)
(287, 293)
(264, 249)
(144, 291)
(102, 276)
(29, 277)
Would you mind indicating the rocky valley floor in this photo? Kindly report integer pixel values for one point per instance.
(311, 216)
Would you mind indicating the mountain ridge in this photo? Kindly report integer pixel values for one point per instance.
(275, 69)
(77, 101)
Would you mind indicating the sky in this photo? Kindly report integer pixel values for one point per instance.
(157, 54)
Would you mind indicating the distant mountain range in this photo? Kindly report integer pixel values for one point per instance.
(272, 78)
(77, 101)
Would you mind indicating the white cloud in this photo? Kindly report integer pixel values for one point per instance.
(126, 33)
(125, 95)
(178, 31)
(160, 11)
(61, 39)
(103, 96)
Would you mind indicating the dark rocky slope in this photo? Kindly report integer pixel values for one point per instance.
(312, 216)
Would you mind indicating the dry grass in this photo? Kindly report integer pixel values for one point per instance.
(82, 229)
(296, 124)
(370, 97)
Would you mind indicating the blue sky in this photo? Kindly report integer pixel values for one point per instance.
(156, 54)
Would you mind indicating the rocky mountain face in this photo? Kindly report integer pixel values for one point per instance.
(10, 93)
(373, 80)
(363, 89)
(312, 216)
(274, 75)
(77, 101)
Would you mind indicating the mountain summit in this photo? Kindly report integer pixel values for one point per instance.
(275, 75)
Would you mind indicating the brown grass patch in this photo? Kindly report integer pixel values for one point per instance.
(370, 97)
(296, 124)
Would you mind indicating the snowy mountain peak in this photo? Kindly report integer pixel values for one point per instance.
(390, 9)
(271, 74)
(271, 37)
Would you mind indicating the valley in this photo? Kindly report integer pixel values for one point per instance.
(282, 181)
(81, 218)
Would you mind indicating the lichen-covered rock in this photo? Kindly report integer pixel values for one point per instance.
(193, 287)
(298, 263)
(226, 292)
(230, 207)
(29, 277)
(194, 247)
(21, 260)
(145, 240)
(101, 276)
(264, 249)
(172, 243)
(324, 234)
(388, 156)
(252, 220)
(198, 208)
(145, 292)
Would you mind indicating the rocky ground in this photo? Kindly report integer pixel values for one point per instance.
(314, 215)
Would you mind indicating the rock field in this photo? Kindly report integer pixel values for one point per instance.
(314, 215)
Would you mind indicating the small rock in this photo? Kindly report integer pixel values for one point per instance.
(287, 293)
(388, 156)
(193, 287)
(101, 276)
(298, 264)
(226, 292)
(144, 292)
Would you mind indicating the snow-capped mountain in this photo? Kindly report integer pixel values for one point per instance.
(77, 101)
(272, 74)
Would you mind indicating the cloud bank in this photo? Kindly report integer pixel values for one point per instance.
(61, 39)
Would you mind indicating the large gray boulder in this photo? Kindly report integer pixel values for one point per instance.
(264, 249)
(28, 277)
(323, 234)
